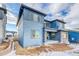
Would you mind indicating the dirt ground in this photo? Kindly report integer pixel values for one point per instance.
(4, 45)
(37, 50)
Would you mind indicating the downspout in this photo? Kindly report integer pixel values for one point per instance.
(43, 41)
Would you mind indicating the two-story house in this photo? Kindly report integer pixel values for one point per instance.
(34, 30)
(55, 31)
(30, 26)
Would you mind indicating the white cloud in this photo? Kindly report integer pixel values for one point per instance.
(11, 18)
(73, 17)
(74, 11)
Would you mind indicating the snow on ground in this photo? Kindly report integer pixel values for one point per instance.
(55, 54)
(65, 53)
(12, 53)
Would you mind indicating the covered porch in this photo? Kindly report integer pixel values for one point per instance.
(49, 36)
(52, 36)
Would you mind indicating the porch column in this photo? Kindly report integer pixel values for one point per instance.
(64, 38)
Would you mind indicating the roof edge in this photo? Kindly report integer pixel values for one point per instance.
(26, 7)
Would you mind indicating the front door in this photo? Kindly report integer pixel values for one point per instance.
(64, 37)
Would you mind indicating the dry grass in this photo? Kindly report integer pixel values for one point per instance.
(4, 45)
(38, 50)
(61, 47)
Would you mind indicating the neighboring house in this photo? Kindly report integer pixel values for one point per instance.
(54, 31)
(3, 20)
(34, 30)
(11, 24)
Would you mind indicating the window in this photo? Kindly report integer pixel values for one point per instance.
(32, 16)
(35, 17)
(47, 24)
(27, 15)
(35, 34)
(40, 18)
(53, 35)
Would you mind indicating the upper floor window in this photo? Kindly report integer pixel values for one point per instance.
(47, 24)
(60, 26)
(35, 17)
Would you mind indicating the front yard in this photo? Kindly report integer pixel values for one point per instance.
(51, 49)
(4, 45)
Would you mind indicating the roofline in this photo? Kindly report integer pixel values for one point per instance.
(47, 21)
(26, 7)
(34, 10)
(68, 30)
(58, 20)
(12, 31)
(20, 14)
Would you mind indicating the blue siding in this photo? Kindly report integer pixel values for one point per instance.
(28, 40)
(50, 38)
(25, 30)
(57, 25)
(73, 36)
(20, 31)
(60, 25)
(58, 36)
(54, 25)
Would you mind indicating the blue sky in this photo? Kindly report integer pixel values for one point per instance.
(14, 8)
(11, 27)
(64, 10)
